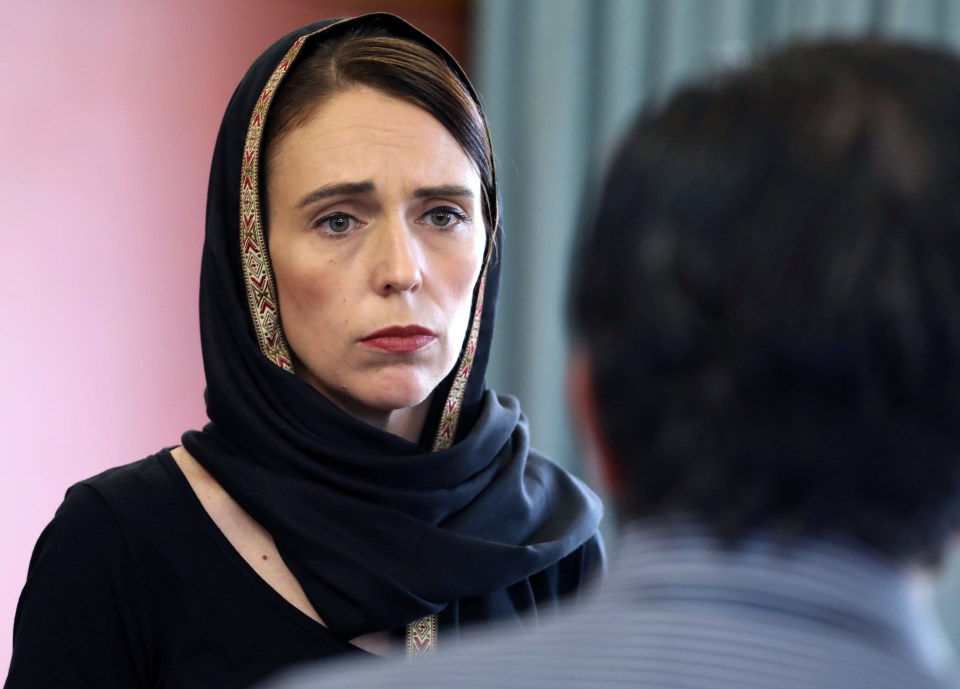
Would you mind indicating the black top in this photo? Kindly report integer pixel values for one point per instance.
(133, 585)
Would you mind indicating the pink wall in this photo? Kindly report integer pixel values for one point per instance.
(107, 124)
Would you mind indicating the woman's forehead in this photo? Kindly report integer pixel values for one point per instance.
(361, 133)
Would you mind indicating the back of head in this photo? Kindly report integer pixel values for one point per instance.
(769, 295)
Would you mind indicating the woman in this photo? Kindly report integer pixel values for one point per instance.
(357, 487)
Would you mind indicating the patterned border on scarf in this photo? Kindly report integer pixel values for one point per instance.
(422, 637)
(451, 409)
(257, 272)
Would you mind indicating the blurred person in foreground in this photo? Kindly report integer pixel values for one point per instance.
(767, 312)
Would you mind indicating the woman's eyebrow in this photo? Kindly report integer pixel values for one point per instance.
(443, 190)
(335, 189)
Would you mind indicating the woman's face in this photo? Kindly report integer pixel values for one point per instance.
(376, 238)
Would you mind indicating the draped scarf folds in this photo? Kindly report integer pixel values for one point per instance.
(378, 530)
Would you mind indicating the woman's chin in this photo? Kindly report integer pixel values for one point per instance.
(380, 404)
(388, 400)
(400, 414)
(398, 390)
(397, 401)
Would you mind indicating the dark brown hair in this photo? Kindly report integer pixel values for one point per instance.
(397, 67)
(770, 300)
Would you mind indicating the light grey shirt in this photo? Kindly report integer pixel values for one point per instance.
(680, 612)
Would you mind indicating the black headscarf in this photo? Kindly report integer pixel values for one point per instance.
(378, 530)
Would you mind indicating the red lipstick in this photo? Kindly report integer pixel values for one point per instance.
(399, 339)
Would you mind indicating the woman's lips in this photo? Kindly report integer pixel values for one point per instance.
(399, 339)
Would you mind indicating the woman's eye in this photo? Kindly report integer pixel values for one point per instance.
(441, 219)
(444, 217)
(338, 223)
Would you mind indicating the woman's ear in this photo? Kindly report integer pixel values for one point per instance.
(582, 402)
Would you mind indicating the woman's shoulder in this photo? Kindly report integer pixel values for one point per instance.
(138, 485)
(124, 499)
(81, 612)
(94, 547)
(146, 473)
(85, 550)
(96, 513)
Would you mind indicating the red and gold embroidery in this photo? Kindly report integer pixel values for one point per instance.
(451, 409)
(422, 637)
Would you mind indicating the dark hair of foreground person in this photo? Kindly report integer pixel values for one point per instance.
(770, 298)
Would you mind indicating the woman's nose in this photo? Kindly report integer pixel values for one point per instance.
(396, 259)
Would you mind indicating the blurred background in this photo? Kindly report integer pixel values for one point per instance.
(107, 126)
